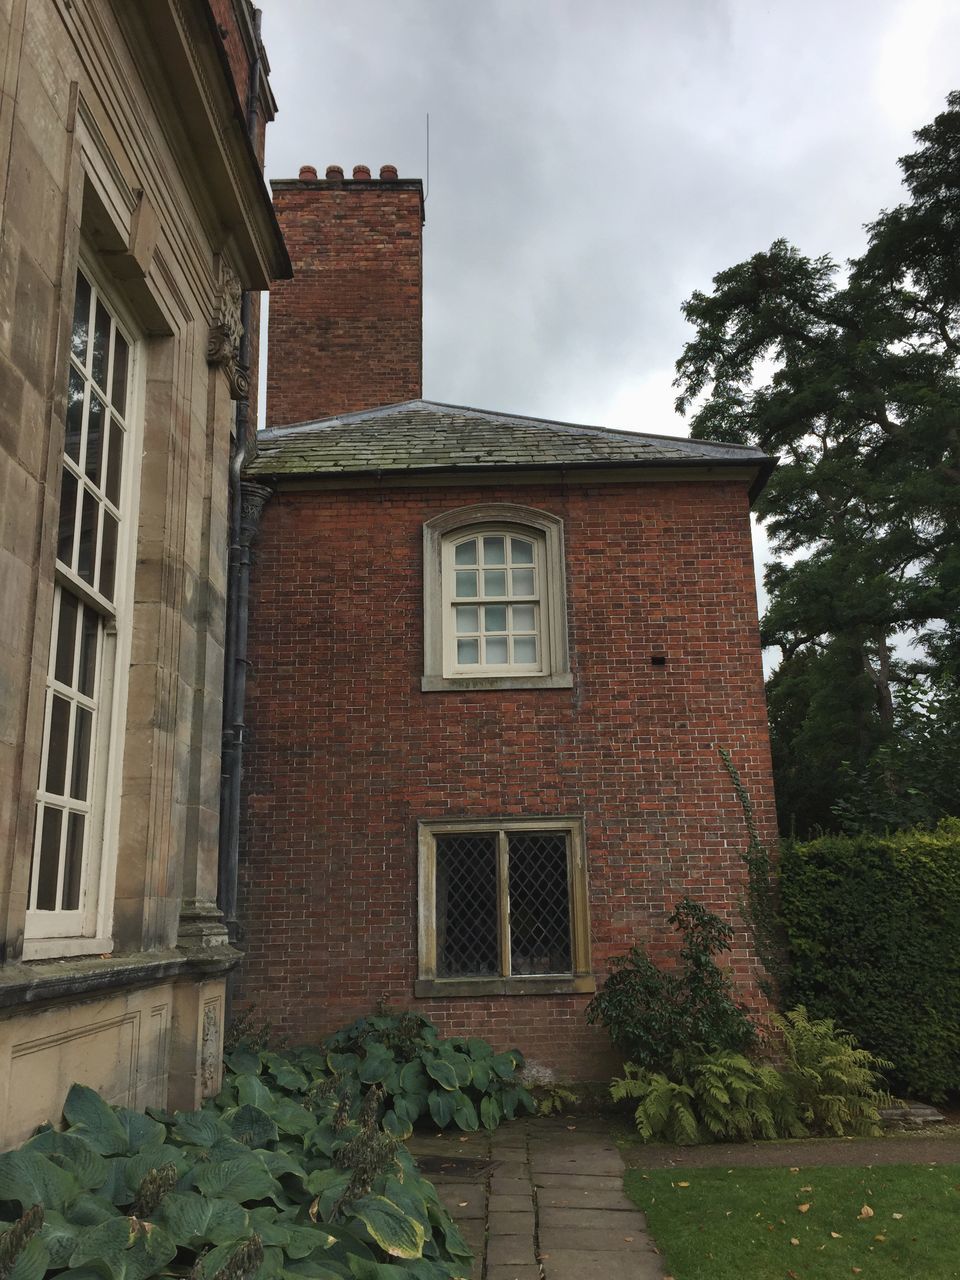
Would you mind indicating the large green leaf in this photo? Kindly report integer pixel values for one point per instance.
(481, 1075)
(89, 1116)
(465, 1113)
(460, 1062)
(442, 1072)
(397, 1126)
(250, 1125)
(197, 1128)
(244, 1061)
(291, 1117)
(30, 1178)
(413, 1078)
(442, 1107)
(31, 1263)
(505, 1065)
(395, 1232)
(130, 1250)
(285, 1073)
(236, 1179)
(89, 1209)
(489, 1112)
(143, 1134)
(282, 1163)
(59, 1236)
(195, 1220)
(254, 1091)
(72, 1153)
(376, 1065)
(343, 1063)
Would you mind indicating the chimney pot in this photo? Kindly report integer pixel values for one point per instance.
(308, 173)
(361, 171)
(334, 171)
(388, 173)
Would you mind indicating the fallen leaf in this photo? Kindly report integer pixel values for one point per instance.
(571, 1127)
(794, 1240)
(462, 1203)
(898, 1216)
(795, 1170)
(856, 1270)
(880, 1239)
(836, 1235)
(803, 1208)
(681, 1184)
(806, 1188)
(629, 1239)
(793, 1275)
(865, 1212)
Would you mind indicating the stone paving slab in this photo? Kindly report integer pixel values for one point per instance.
(597, 1240)
(585, 1161)
(582, 1198)
(510, 1250)
(501, 1223)
(583, 1264)
(503, 1186)
(464, 1199)
(512, 1204)
(584, 1181)
(514, 1271)
(626, 1220)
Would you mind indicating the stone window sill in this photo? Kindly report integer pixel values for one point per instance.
(548, 985)
(469, 684)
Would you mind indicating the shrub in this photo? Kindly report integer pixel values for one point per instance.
(834, 1084)
(458, 1081)
(256, 1185)
(652, 1015)
(824, 1084)
(872, 927)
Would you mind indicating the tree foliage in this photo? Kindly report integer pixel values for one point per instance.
(850, 377)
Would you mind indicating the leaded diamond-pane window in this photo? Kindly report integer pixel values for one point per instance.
(502, 901)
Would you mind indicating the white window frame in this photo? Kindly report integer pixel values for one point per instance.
(441, 671)
(579, 979)
(88, 929)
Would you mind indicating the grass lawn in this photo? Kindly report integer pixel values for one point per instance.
(750, 1224)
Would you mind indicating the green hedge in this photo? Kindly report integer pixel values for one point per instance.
(873, 924)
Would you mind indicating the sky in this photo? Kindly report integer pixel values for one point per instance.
(591, 165)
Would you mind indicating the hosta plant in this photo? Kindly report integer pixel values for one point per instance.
(456, 1080)
(254, 1187)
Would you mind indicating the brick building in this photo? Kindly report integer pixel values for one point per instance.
(491, 661)
(134, 228)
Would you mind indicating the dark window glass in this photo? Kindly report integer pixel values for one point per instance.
(118, 396)
(95, 427)
(101, 345)
(57, 751)
(89, 635)
(81, 320)
(73, 863)
(108, 556)
(49, 868)
(539, 903)
(467, 928)
(80, 772)
(66, 638)
(74, 415)
(87, 549)
(68, 518)
(114, 462)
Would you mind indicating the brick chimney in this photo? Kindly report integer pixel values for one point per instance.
(345, 332)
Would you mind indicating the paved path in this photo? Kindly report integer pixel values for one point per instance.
(539, 1200)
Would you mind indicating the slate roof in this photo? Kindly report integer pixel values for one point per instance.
(424, 436)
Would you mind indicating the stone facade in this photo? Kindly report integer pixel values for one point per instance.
(125, 155)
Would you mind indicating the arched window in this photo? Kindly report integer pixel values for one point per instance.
(494, 601)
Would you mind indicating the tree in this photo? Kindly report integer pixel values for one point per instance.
(851, 378)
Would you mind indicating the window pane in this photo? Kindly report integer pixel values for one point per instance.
(66, 638)
(525, 649)
(87, 549)
(466, 582)
(95, 425)
(466, 552)
(496, 650)
(71, 443)
(89, 635)
(495, 617)
(101, 344)
(73, 863)
(494, 551)
(114, 462)
(522, 582)
(494, 582)
(118, 395)
(68, 516)
(539, 903)
(468, 619)
(81, 320)
(521, 551)
(57, 749)
(80, 772)
(467, 925)
(51, 820)
(468, 651)
(108, 556)
(523, 617)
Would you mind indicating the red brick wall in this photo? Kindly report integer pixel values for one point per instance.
(346, 753)
(345, 331)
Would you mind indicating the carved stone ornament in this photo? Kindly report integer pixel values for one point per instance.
(223, 343)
